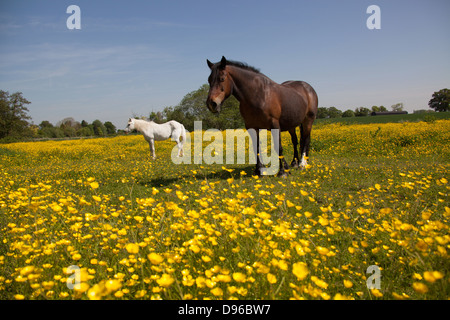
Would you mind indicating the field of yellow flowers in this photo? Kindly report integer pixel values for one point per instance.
(133, 228)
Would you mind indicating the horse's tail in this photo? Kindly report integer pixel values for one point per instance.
(183, 133)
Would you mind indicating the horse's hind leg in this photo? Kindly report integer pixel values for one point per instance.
(294, 139)
(151, 143)
(180, 147)
(305, 140)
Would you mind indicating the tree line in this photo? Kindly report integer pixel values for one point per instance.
(69, 127)
(333, 112)
(15, 125)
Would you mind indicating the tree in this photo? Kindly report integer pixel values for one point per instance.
(85, 132)
(99, 128)
(331, 112)
(397, 107)
(45, 124)
(362, 112)
(348, 114)
(69, 126)
(334, 112)
(157, 117)
(193, 108)
(440, 100)
(13, 115)
(322, 113)
(110, 128)
(49, 131)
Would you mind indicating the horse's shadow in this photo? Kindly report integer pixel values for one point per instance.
(220, 174)
(158, 182)
(224, 174)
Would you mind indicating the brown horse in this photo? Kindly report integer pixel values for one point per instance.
(265, 104)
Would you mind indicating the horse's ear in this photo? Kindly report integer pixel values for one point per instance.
(210, 64)
(223, 63)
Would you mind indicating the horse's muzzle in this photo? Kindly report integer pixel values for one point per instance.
(213, 106)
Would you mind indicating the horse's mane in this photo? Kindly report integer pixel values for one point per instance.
(242, 65)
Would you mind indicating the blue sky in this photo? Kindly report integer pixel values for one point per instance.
(134, 57)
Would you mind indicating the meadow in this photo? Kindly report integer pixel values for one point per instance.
(395, 118)
(372, 194)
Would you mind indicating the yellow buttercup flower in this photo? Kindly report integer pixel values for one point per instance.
(322, 251)
(113, 285)
(348, 284)
(94, 185)
(27, 270)
(155, 258)
(76, 256)
(217, 292)
(377, 293)
(300, 270)
(132, 248)
(206, 258)
(271, 278)
(432, 276)
(239, 277)
(83, 287)
(165, 281)
(420, 287)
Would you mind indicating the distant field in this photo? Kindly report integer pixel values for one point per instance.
(389, 118)
(375, 197)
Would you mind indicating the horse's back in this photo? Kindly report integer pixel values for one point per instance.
(175, 125)
(298, 103)
(177, 129)
(306, 90)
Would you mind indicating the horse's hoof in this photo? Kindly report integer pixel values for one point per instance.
(294, 164)
(282, 174)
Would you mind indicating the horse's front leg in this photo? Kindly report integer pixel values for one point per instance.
(151, 143)
(254, 134)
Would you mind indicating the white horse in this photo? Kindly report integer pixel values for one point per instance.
(153, 131)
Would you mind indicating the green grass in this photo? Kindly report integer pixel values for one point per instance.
(398, 118)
